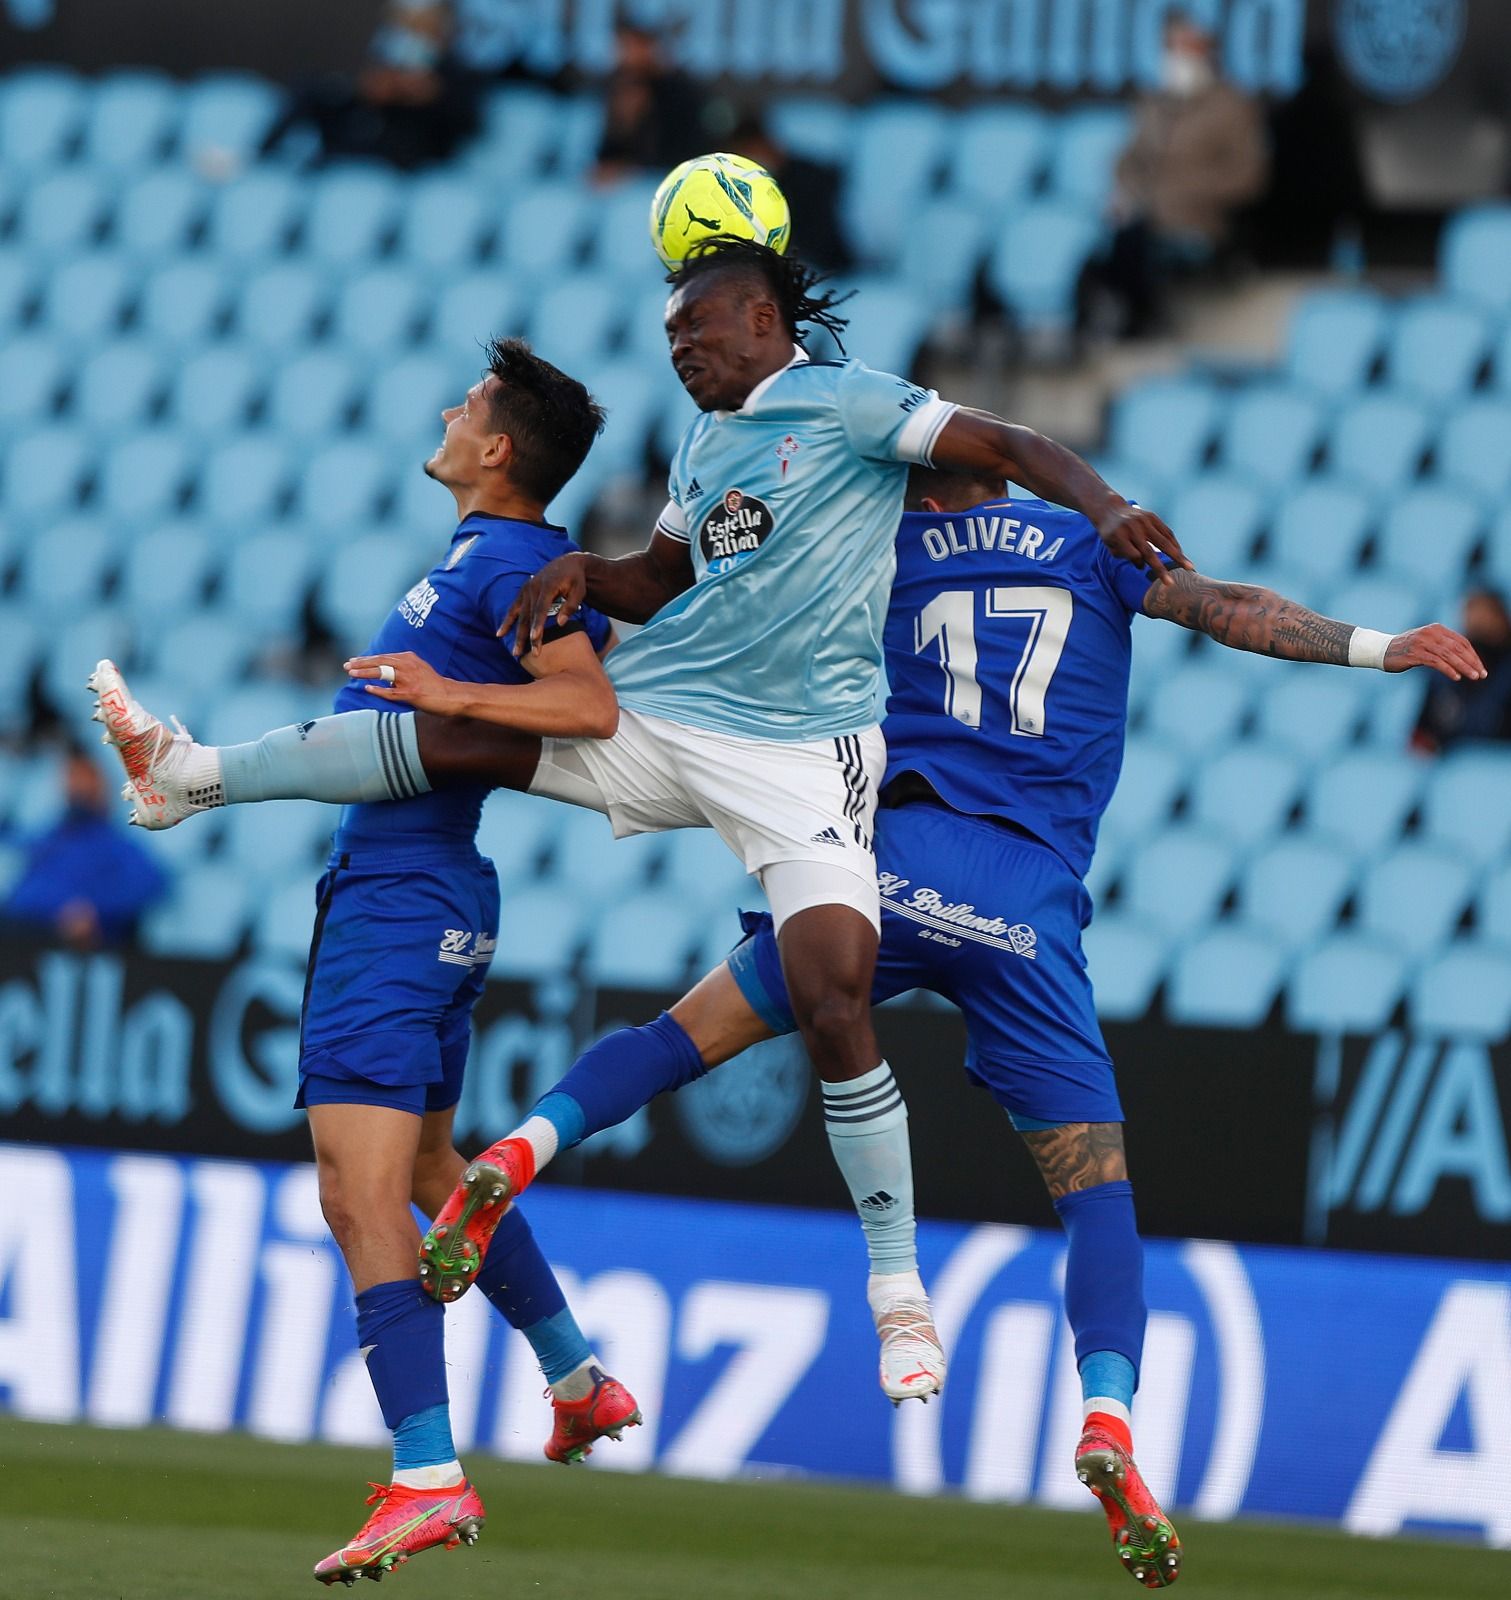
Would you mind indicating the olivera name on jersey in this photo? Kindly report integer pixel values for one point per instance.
(963, 535)
(736, 527)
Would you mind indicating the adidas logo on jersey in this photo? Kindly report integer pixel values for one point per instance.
(826, 836)
(694, 491)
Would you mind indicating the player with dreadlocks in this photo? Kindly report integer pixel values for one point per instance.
(748, 704)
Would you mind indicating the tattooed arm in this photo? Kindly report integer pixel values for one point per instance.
(1244, 616)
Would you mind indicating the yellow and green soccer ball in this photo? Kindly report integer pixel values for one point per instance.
(717, 194)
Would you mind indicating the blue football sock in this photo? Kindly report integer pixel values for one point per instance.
(359, 755)
(1105, 1375)
(401, 1333)
(424, 1440)
(518, 1279)
(1104, 1273)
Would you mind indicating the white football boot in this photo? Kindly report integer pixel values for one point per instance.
(912, 1358)
(168, 776)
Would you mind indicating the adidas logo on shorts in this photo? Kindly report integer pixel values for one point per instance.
(826, 836)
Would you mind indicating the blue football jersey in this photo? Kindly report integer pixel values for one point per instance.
(1008, 645)
(450, 619)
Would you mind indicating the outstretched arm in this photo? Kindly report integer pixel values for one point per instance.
(977, 441)
(1244, 616)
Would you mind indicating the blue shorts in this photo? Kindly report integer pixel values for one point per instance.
(991, 920)
(401, 948)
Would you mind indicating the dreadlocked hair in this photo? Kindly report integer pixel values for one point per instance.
(791, 283)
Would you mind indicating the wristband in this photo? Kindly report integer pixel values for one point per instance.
(1367, 647)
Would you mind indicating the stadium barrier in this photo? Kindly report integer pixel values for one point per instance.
(1368, 1391)
(1261, 1135)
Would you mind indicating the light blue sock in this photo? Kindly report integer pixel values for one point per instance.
(559, 1345)
(343, 760)
(1106, 1375)
(424, 1440)
(867, 1124)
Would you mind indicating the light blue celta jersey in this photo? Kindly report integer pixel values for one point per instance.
(790, 506)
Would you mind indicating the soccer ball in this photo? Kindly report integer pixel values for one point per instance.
(717, 194)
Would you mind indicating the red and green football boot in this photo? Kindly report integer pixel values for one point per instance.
(406, 1522)
(603, 1414)
(452, 1252)
(1146, 1542)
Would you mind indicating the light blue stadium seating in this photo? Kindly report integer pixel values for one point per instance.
(1086, 146)
(1106, 869)
(41, 112)
(72, 647)
(1415, 895)
(1335, 337)
(645, 941)
(277, 307)
(820, 128)
(86, 299)
(574, 320)
(584, 850)
(445, 222)
(1437, 348)
(542, 933)
(1199, 708)
(403, 400)
(346, 484)
(284, 921)
(1311, 709)
(227, 112)
(1382, 600)
(936, 276)
(313, 394)
(470, 310)
(157, 212)
(1037, 260)
(254, 216)
(1472, 450)
(1365, 796)
(897, 150)
(543, 230)
(1134, 480)
(1295, 889)
(515, 833)
(888, 323)
(279, 839)
(204, 915)
(196, 655)
(621, 232)
(1379, 440)
(34, 368)
(1153, 774)
(33, 805)
(522, 127)
(20, 655)
(1493, 907)
(244, 479)
(265, 577)
(1218, 517)
(702, 869)
(1228, 978)
(1463, 993)
(379, 311)
(1247, 792)
(1475, 247)
(211, 393)
(131, 121)
(998, 154)
(353, 209)
(632, 403)
(1429, 535)
(1467, 804)
(577, 130)
(164, 570)
(17, 286)
(1321, 528)
(364, 579)
(1179, 881)
(1271, 434)
(1126, 957)
(183, 304)
(421, 506)
(64, 573)
(45, 471)
(1167, 422)
(1350, 984)
(119, 385)
(251, 709)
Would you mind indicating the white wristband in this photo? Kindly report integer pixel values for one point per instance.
(1367, 647)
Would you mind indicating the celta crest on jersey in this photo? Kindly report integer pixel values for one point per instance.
(737, 527)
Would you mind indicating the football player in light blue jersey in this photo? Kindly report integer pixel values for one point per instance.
(1008, 641)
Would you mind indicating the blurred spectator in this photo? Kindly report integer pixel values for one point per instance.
(410, 104)
(84, 880)
(1197, 154)
(653, 113)
(812, 191)
(1459, 713)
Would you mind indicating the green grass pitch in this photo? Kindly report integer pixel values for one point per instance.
(88, 1514)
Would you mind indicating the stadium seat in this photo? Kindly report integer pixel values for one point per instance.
(585, 850)
(1415, 895)
(144, 475)
(1199, 708)
(888, 323)
(45, 471)
(1087, 143)
(644, 941)
(617, 243)
(1467, 804)
(1107, 863)
(131, 120)
(1228, 978)
(1475, 247)
(940, 280)
(20, 656)
(998, 154)
(353, 209)
(1321, 528)
(64, 573)
(254, 216)
(631, 403)
(1334, 339)
(445, 223)
(1038, 259)
(211, 394)
(1126, 957)
(404, 399)
(1381, 599)
(544, 230)
(158, 212)
(277, 308)
(1179, 881)
(575, 319)
(897, 149)
(1271, 433)
(1350, 984)
(1160, 648)
(72, 646)
(1134, 480)
(1247, 792)
(164, 570)
(1153, 774)
(542, 934)
(1295, 889)
(251, 709)
(17, 287)
(265, 579)
(577, 133)
(1367, 796)
(704, 871)
(41, 111)
(244, 480)
(1430, 534)
(422, 507)
(204, 916)
(1492, 906)
(1380, 440)
(63, 213)
(1218, 517)
(196, 655)
(1167, 422)
(1437, 348)
(1472, 450)
(34, 370)
(379, 311)
(1313, 711)
(284, 922)
(1463, 993)
(358, 589)
(86, 300)
(183, 304)
(118, 387)
(820, 128)
(515, 833)
(347, 484)
(522, 127)
(469, 311)
(227, 114)
(313, 394)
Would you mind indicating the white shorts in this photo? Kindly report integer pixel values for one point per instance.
(811, 804)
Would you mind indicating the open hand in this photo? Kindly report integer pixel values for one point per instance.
(556, 591)
(415, 682)
(1437, 647)
(1135, 534)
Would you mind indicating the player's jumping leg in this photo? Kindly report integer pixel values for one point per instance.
(587, 1403)
(365, 1156)
(1083, 1165)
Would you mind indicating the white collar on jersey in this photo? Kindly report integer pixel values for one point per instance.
(798, 354)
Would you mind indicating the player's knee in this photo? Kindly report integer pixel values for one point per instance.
(339, 1207)
(436, 1171)
(830, 1018)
